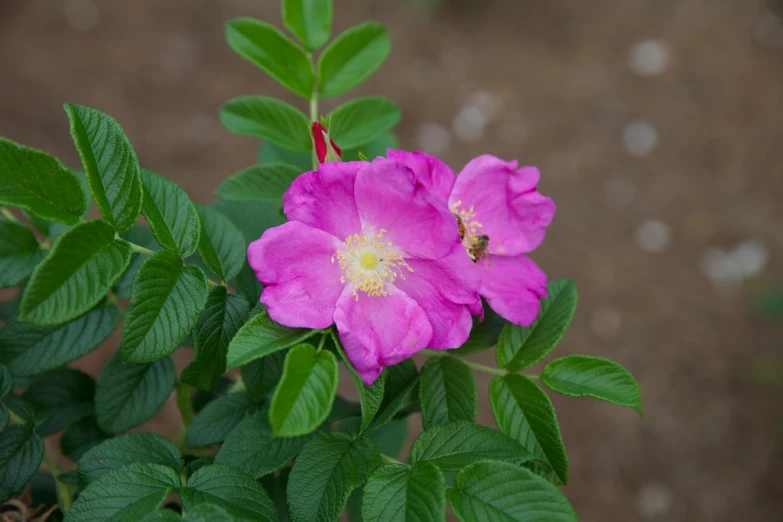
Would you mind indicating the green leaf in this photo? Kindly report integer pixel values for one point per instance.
(265, 183)
(170, 213)
(268, 152)
(521, 347)
(375, 149)
(221, 247)
(79, 271)
(328, 469)
(362, 120)
(161, 515)
(65, 394)
(400, 389)
(484, 335)
(262, 375)
(455, 445)
(21, 452)
(260, 336)
(35, 181)
(309, 20)
(276, 485)
(504, 492)
(6, 381)
(208, 513)
(267, 118)
(80, 437)
(222, 317)
(144, 448)
(391, 437)
(397, 493)
(125, 494)
(250, 217)
(524, 412)
(253, 448)
(129, 394)
(352, 57)
(447, 392)
(585, 376)
(268, 48)
(30, 414)
(219, 417)
(19, 253)
(370, 397)
(247, 285)
(165, 305)
(4, 416)
(110, 163)
(231, 489)
(28, 349)
(304, 397)
(141, 236)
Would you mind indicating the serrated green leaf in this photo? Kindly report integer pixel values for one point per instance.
(375, 149)
(231, 489)
(251, 218)
(252, 448)
(29, 349)
(208, 513)
(362, 120)
(141, 448)
(33, 180)
(269, 119)
(79, 271)
(4, 416)
(399, 493)
(309, 20)
(455, 445)
(352, 57)
(170, 213)
(522, 347)
(219, 417)
(391, 437)
(165, 305)
(110, 162)
(222, 317)
(329, 467)
(370, 397)
(447, 392)
(222, 248)
(268, 48)
(66, 394)
(304, 396)
(19, 253)
(129, 394)
(275, 485)
(30, 414)
(268, 152)
(247, 285)
(503, 492)
(524, 412)
(21, 452)
(262, 375)
(400, 388)
(80, 437)
(260, 336)
(586, 376)
(161, 515)
(265, 183)
(483, 335)
(141, 236)
(6, 381)
(124, 494)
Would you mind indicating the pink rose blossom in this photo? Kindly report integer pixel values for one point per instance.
(366, 248)
(502, 217)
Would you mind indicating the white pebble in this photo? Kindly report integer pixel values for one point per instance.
(469, 124)
(654, 500)
(433, 138)
(82, 15)
(751, 257)
(640, 138)
(619, 190)
(649, 57)
(653, 235)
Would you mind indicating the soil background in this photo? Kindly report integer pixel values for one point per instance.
(643, 211)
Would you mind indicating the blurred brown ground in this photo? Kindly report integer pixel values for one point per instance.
(711, 444)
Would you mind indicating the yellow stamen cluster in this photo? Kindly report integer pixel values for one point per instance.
(370, 263)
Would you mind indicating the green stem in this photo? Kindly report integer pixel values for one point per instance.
(185, 402)
(140, 249)
(8, 215)
(14, 417)
(321, 342)
(63, 490)
(390, 460)
(476, 366)
(314, 109)
(238, 386)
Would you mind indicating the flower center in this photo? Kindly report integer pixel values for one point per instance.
(370, 263)
(476, 244)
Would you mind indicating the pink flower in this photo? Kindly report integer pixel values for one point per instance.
(501, 217)
(366, 248)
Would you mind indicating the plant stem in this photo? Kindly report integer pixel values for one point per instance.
(8, 215)
(140, 249)
(476, 366)
(63, 490)
(185, 402)
(314, 109)
(238, 386)
(321, 342)
(14, 417)
(390, 460)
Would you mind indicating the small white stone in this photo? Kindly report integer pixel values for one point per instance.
(82, 15)
(469, 124)
(649, 57)
(433, 138)
(653, 235)
(654, 500)
(640, 138)
(619, 190)
(751, 257)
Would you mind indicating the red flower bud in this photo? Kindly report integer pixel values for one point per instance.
(324, 151)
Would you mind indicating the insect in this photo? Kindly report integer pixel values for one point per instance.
(461, 226)
(479, 248)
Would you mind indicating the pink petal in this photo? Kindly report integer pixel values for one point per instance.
(324, 199)
(506, 202)
(301, 283)
(380, 331)
(447, 289)
(431, 172)
(388, 196)
(513, 287)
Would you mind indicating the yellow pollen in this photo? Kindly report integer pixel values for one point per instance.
(370, 263)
